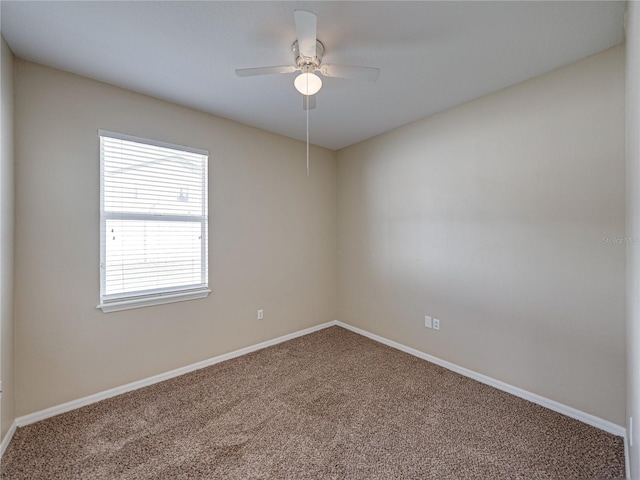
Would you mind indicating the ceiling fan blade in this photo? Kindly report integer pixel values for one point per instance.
(251, 72)
(312, 102)
(306, 28)
(369, 74)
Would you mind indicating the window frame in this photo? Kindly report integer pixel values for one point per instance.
(144, 298)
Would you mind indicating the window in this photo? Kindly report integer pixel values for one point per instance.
(153, 222)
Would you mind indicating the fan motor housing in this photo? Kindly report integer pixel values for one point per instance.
(302, 61)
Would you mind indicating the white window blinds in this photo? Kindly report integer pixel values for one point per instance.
(153, 222)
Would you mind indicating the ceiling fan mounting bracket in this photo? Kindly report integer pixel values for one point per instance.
(302, 61)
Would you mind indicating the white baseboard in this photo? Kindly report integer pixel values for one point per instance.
(587, 418)
(96, 397)
(7, 438)
(627, 466)
(532, 397)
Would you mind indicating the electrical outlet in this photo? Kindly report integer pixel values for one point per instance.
(427, 321)
(436, 324)
(260, 314)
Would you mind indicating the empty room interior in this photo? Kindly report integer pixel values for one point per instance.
(320, 240)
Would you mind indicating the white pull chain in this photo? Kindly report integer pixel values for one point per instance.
(307, 134)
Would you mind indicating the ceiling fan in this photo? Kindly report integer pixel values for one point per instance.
(307, 54)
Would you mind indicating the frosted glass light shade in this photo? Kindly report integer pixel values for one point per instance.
(308, 83)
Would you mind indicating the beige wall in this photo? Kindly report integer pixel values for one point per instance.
(633, 231)
(7, 413)
(491, 217)
(272, 240)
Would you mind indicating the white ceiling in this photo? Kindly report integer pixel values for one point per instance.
(433, 55)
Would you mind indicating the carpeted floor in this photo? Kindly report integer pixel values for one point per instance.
(331, 405)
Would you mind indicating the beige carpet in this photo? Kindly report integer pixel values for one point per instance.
(332, 404)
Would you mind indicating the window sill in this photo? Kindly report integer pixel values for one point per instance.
(128, 304)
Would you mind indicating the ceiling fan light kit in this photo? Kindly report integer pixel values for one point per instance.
(308, 83)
